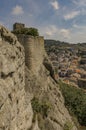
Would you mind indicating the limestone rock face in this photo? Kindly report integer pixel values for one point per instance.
(41, 84)
(20, 84)
(44, 88)
(15, 112)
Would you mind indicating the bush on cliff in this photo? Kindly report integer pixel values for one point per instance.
(75, 101)
(27, 31)
(68, 126)
(33, 32)
(40, 107)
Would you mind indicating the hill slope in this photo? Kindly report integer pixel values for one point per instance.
(29, 96)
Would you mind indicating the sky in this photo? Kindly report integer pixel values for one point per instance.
(63, 20)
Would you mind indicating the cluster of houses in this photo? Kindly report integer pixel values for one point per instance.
(70, 66)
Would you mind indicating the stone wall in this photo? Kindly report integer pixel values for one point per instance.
(34, 51)
(18, 26)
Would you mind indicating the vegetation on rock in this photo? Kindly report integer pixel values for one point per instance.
(68, 126)
(40, 107)
(27, 31)
(75, 101)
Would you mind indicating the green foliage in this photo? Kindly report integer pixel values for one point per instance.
(40, 107)
(27, 31)
(75, 101)
(33, 32)
(68, 126)
(56, 46)
(56, 70)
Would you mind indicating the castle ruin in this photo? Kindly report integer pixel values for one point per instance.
(17, 26)
(34, 48)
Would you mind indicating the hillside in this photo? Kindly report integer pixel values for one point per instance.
(30, 99)
(69, 61)
(63, 44)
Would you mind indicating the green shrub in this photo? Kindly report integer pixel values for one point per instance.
(33, 32)
(27, 31)
(40, 107)
(75, 101)
(68, 126)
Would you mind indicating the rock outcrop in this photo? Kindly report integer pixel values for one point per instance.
(44, 88)
(30, 99)
(82, 83)
(15, 112)
(40, 83)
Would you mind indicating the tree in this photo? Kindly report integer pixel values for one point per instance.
(75, 101)
(33, 32)
(27, 31)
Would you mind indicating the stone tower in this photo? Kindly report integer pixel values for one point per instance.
(18, 26)
(34, 50)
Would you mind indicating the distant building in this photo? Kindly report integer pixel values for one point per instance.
(18, 26)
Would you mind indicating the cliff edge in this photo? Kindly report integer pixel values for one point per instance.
(15, 112)
(30, 99)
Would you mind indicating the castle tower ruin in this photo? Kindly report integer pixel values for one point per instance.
(34, 50)
(18, 26)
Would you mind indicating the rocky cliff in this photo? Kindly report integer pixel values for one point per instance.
(30, 99)
(15, 111)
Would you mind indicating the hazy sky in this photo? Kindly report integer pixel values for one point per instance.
(63, 20)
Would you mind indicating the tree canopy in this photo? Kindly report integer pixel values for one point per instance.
(27, 31)
(75, 101)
